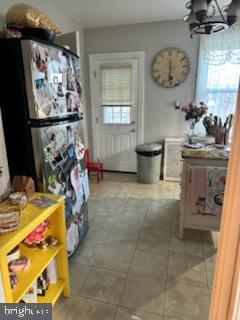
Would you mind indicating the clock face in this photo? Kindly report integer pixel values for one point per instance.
(170, 67)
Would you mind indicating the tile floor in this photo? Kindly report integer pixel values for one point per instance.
(131, 265)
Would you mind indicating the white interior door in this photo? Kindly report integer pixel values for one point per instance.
(116, 130)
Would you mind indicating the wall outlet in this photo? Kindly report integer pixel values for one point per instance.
(177, 104)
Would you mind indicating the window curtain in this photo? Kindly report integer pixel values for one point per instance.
(116, 86)
(219, 72)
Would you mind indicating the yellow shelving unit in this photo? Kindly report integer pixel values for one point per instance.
(39, 259)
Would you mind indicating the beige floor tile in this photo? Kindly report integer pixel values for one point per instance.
(128, 226)
(114, 258)
(187, 302)
(188, 269)
(175, 230)
(211, 237)
(122, 238)
(86, 309)
(86, 253)
(131, 223)
(137, 204)
(104, 285)
(97, 234)
(149, 264)
(133, 314)
(93, 205)
(62, 308)
(210, 268)
(111, 205)
(193, 234)
(104, 221)
(156, 226)
(133, 213)
(145, 294)
(153, 243)
(125, 215)
(159, 214)
(78, 274)
(209, 251)
(163, 203)
(185, 247)
(107, 213)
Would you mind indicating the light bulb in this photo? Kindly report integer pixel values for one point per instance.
(200, 8)
(233, 12)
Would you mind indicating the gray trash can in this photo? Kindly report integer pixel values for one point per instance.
(149, 157)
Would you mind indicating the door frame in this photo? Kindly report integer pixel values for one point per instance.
(121, 57)
(226, 289)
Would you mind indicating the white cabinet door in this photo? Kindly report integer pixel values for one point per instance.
(173, 159)
(4, 173)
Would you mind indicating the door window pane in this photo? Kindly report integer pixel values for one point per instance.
(116, 115)
(126, 115)
(107, 115)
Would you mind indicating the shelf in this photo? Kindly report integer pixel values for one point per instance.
(39, 260)
(53, 292)
(31, 218)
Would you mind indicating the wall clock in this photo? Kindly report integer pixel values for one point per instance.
(170, 67)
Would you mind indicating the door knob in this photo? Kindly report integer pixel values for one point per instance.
(133, 130)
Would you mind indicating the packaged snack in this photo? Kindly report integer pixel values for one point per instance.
(18, 198)
(10, 217)
(31, 295)
(19, 264)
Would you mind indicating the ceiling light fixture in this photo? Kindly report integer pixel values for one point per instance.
(202, 12)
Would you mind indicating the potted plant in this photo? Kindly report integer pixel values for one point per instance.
(193, 114)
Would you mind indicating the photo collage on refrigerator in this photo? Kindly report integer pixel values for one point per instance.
(57, 84)
(65, 174)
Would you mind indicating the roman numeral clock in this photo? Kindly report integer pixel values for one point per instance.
(170, 67)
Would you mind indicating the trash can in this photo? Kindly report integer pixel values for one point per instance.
(149, 157)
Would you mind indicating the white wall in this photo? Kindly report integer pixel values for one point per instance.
(161, 119)
(66, 24)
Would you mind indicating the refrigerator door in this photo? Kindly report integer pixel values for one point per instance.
(60, 164)
(53, 81)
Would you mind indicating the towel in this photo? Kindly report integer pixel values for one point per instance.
(215, 185)
(207, 189)
(198, 176)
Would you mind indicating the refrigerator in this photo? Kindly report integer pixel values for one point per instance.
(42, 110)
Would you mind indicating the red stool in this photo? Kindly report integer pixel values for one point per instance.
(93, 166)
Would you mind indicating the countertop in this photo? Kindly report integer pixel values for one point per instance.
(207, 152)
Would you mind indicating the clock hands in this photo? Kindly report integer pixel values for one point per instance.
(170, 77)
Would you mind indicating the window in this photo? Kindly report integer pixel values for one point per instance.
(116, 89)
(219, 72)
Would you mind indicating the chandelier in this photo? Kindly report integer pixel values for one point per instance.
(201, 17)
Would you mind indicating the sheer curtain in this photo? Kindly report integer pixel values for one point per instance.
(219, 72)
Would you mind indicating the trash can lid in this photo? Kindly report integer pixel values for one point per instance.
(149, 147)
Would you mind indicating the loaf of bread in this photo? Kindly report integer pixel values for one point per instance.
(27, 16)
